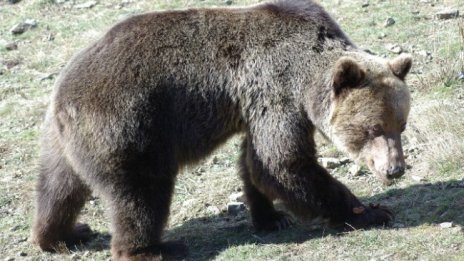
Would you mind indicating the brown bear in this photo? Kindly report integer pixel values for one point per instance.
(164, 89)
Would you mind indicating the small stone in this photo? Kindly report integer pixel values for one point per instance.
(355, 170)
(415, 12)
(215, 160)
(389, 22)
(47, 76)
(237, 197)
(330, 163)
(365, 4)
(382, 35)
(417, 178)
(22, 253)
(13, 229)
(394, 48)
(346, 160)
(86, 5)
(50, 37)
(24, 26)
(446, 224)
(213, 210)
(233, 208)
(461, 76)
(14, 1)
(447, 14)
(11, 46)
(424, 53)
(228, 2)
(9, 259)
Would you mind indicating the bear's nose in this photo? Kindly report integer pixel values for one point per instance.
(395, 172)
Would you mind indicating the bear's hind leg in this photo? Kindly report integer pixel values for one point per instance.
(263, 214)
(60, 196)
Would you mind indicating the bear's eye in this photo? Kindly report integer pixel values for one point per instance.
(403, 127)
(376, 130)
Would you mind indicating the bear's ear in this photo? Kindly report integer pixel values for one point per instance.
(347, 74)
(401, 65)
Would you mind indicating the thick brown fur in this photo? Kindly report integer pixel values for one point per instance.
(162, 90)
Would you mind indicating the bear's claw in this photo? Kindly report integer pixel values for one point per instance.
(368, 216)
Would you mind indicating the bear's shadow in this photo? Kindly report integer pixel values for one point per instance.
(207, 237)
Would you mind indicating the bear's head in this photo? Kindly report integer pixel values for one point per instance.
(370, 107)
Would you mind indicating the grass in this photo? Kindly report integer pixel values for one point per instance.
(431, 192)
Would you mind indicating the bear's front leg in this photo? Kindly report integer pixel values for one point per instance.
(284, 165)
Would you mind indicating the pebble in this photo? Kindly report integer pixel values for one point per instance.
(365, 4)
(22, 253)
(213, 210)
(23, 26)
(237, 197)
(233, 208)
(448, 14)
(14, 1)
(446, 224)
(48, 76)
(394, 48)
(417, 178)
(228, 2)
(11, 46)
(355, 170)
(86, 5)
(330, 163)
(461, 76)
(389, 22)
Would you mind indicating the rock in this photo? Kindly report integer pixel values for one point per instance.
(233, 208)
(345, 160)
(389, 22)
(11, 46)
(14, 1)
(382, 35)
(24, 26)
(47, 76)
(12, 63)
(228, 2)
(330, 163)
(85, 5)
(394, 48)
(9, 259)
(423, 53)
(215, 160)
(417, 178)
(447, 14)
(237, 197)
(446, 224)
(213, 210)
(22, 253)
(461, 76)
(355, 170)
(365, 4)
